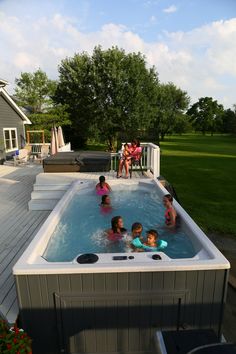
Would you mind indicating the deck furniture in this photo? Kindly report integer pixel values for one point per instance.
(22, 157)
(44, 153)
(136, 162)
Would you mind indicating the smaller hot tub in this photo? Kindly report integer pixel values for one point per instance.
(82, 161)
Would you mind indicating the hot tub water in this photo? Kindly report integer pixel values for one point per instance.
(82, 225)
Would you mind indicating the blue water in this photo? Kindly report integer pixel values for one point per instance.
(82, 225)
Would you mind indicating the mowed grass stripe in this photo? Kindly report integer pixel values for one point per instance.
(203, 172)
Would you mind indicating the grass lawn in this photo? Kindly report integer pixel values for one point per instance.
(202, 169)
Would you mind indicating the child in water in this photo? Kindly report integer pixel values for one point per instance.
(152, 243)
(152, 237)
(102, 187)
(117, 230)
(106, 204)
(170, 213)
(136, 232)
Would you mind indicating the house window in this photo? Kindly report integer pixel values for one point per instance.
(10, 139)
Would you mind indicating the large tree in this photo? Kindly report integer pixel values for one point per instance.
(206, 115)
(34, 92)
(171, 102)
(229, 121)
(110, 92)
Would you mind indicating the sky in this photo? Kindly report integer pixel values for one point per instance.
(191, 43)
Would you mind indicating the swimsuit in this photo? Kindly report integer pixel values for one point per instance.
(167, 216)
(102, 190)
(136, 153)
(106, 209)
(114, 236)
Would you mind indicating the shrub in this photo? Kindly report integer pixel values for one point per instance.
(14, 340)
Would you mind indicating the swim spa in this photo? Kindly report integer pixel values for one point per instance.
(82, 224)
(117, 303)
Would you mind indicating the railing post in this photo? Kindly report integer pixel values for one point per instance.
(156, 162)
(148, 158)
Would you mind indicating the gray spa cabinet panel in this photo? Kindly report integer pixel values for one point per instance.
(117, 312)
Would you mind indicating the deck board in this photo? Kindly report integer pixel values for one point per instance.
(18, 225)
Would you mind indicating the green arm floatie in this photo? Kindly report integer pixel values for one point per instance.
(138, 244)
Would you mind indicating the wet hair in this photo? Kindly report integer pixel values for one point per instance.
(104, 198)
(153, 233)
(114, 222)
(169, 197)
(136, 226)
(126, 144)
(101, 180)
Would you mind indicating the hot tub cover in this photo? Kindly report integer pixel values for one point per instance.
(87, 161)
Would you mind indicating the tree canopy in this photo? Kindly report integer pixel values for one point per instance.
(34, 92)
(171, 102)
(109, 93)
(206, 115)
(229, 121)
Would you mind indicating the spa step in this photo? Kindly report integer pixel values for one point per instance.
(51, 187)
(42, 204)
(47, 194)
(57, 178)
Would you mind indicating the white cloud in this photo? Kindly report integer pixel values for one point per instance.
(201, 62)
(25, 61)
(170, 9)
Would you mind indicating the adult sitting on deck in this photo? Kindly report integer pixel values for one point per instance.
(135, 151)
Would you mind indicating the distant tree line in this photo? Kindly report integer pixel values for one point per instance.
(112, 96)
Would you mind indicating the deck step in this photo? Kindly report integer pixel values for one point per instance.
(57, 178)
(42, 204)
(47, 194)
(51, 187)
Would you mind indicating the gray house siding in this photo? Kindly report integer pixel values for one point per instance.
(118, 312)
(9, 118)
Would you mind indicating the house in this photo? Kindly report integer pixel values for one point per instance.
(12, 123)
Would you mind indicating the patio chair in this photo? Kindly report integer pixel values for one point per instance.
(44, 153)
(136, 161)
(22, 157)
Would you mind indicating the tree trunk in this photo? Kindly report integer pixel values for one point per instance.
(162, 136)
(111, 144)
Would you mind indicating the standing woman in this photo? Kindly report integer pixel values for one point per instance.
(170, 213)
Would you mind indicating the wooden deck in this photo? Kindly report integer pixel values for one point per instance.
(18, 225)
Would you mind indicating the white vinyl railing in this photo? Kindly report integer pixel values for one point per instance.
(36, 148)
(150, 159)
